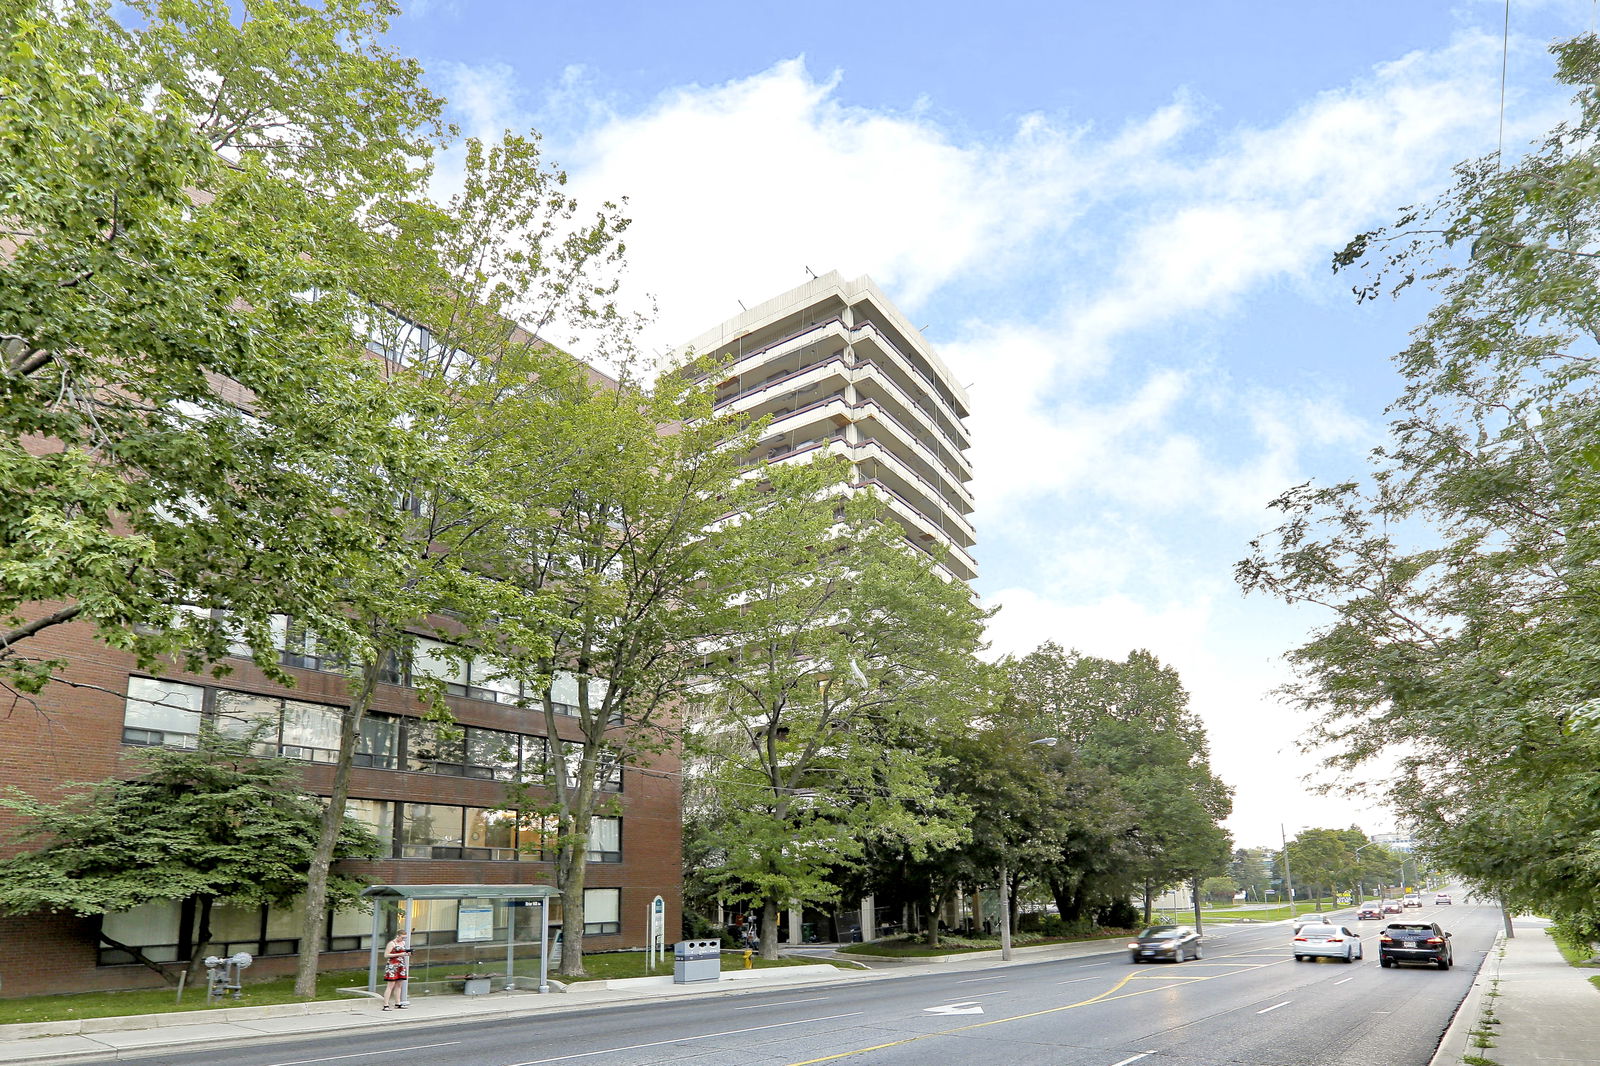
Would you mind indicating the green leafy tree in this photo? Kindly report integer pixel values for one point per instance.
(838, 656)
(184, 421)
(1130, 722)
(1461, 575)
(514, 425)
(1220, 888)
(215, 824)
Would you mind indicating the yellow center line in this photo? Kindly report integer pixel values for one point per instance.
(1107, 995)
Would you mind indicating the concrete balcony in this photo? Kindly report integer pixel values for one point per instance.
(910, 381)
(874, 420)
(916, 492)
(957, 559)
(874, 386)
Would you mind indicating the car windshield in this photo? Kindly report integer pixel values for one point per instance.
(1161, 932)
(1412, 928)
(1318, 930)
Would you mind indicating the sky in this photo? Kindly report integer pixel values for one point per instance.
(1116, 222)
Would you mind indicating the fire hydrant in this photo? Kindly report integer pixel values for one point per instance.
(748, 955)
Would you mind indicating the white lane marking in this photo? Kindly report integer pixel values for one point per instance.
(364, 1054)
(1136, 1058)
(1345, 979)
(1275, 1006)
(785, 1003)
(975, 980)
(681, 1039)
(984, 995)
(1075, 980)
(954, 1008)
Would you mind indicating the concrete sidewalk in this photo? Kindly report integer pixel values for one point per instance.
(1529, 1006)
(147, 1035)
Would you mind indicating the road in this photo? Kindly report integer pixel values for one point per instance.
(1246, 1003)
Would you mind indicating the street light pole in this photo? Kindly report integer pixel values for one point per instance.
(1288, 878)
(1361, 886)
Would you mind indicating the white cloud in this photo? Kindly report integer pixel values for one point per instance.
(1078, 265)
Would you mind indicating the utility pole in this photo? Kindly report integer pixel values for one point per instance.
(1288, 878)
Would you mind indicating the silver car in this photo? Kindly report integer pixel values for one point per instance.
(1172, 942)
(1326, 941)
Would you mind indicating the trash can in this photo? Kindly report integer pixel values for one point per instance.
(696, 960)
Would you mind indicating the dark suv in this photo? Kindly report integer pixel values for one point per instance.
(1414, 942)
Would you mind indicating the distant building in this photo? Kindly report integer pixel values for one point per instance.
(840, 370)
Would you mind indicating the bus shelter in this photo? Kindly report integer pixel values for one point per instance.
(464, 936)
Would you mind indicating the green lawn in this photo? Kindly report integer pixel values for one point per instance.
(610, 965)
(1575, 953)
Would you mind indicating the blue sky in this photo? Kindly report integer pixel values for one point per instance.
(1116, 221)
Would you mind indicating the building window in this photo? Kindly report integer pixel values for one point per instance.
(602, 911)
(378, 816)
(172, 714)
(445, 831)
(605, 840)
(162, 713)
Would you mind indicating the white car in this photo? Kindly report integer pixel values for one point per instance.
(1326, 941)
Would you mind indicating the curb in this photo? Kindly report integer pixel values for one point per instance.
(1453, 1045)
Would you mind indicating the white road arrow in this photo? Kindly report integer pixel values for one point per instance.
(954, 1008)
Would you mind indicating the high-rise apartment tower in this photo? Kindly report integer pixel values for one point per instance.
(839, 369)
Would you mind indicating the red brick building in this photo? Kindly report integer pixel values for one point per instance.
(431, 801)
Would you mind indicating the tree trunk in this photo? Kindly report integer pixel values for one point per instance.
(315, 918)
(141, 958)
(569, 879)
(769, 928)
(202, 938)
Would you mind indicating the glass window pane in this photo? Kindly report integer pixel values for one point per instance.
(428, 826)
(150, 923)
(495, 830)
(162, 712)
(230, 924)
(485, 675)
(310, 731)
(378, 816)
(434, 747)
(602, 905)
(432, 659)
(240, 712)
(492, 751)
(379, 742)
(605, 840)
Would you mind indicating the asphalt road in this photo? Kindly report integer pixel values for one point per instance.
(1246, 1003)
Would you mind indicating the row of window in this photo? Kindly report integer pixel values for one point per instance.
(165, 931)
(171, 714)
(473, 677)
(448, 831)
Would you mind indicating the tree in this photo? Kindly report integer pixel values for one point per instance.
(837, 656)
(1219, 889)
(214, 824)
(1460, 576)
(1129, 721)
(514, 425)
(183, 202)
(1251, 869)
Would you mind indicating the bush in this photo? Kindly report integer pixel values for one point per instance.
(1119, 914)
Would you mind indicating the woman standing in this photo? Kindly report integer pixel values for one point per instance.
(396, 969)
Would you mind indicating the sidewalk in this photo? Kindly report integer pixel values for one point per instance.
(43, 1043)
(1544, 1010)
